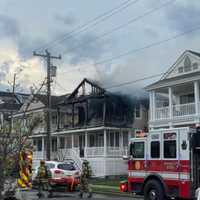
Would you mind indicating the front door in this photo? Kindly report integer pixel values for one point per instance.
(81, 145)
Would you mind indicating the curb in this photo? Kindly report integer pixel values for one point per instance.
(99, 189)
(118, 194)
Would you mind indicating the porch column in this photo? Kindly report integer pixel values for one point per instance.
(150, 106)
(72, 141)
(170, 103)
(121, 142)
(196, 96)
(86, 143)
(58, 143)
(105, 143)
(43, 148)
(153, 105)
(121, 139)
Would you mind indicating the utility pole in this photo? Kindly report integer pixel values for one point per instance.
(14, 83)
(48, 58)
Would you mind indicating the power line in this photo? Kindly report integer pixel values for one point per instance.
(124, 83)
(93, 22)
(142, 48)
(133, 81)
(58, 84)
(147, 46)
(131, 21)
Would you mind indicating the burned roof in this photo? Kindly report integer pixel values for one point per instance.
(85, 89)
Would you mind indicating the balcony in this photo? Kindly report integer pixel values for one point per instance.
(178, 111)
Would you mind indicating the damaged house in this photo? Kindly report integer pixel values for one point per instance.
(90, 123)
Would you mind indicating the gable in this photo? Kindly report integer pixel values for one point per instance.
(187, 63)
(87, 88)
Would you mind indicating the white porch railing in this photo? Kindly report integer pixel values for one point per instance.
(110, 151)
(94, 151)
(162, 113)
(183, 109)
(90, 152)
(39, 155)
(177, 111)
(114, 151)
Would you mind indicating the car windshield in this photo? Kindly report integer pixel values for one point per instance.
(50, 165)
(66, 166)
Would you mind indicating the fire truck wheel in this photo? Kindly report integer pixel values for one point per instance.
(153, 190)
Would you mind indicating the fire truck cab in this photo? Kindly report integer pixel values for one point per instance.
(165, 163)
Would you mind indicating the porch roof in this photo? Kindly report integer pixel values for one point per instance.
(87, 130)
(174, 81)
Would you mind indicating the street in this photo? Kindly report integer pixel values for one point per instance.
(32, 195)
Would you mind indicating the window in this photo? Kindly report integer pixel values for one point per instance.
(67, 166)
(187, 64)
(189, 98)
(117, 139)
(54, 145)
(39, 145)
(125, 138)
(137, 149)
(195, 66)
(187, 68)
(137, 111)
(69, 141)
(155, 149)
(100, 140)
(113, 139)
(180, 70)
(54, 119)
(34, 142)
(91, 140)
(170, 149)
(62, 142)
(112, 142)
(50, 165)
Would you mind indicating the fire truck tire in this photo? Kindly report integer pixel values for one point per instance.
(153, 190)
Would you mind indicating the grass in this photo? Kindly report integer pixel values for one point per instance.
(108, 185)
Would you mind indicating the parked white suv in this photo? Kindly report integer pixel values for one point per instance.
(63, 173)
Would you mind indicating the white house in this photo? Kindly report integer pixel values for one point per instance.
(91, 124)
(174, 99)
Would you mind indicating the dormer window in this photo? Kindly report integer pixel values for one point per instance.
(180, 70)
(195, 66)
(187, 64)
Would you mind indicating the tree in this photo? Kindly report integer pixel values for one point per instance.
(14, 137)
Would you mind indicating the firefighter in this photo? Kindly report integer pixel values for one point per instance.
(84, 179)
(43, 177)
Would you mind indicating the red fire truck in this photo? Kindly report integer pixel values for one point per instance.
(164, 163)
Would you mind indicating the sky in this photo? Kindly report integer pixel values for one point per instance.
(29, 25)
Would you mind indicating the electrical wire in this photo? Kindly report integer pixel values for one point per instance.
(142, 48)
(91, 23)
(131, 21)
(124, 83)
(134, 81)
(148, 46)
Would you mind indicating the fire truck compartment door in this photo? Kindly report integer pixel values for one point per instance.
(196, 140)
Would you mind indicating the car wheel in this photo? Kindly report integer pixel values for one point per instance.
(153, 190)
